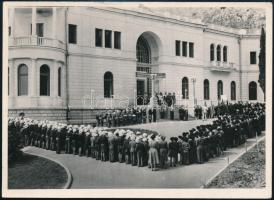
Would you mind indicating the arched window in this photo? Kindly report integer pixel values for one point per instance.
(143, 51)
(233, 90)
(108, 85)
(212, 52)
(22, 80)
(206, 89)
(252, 90)
(59, 81)
(44, 80)
(219, 53)
(185, 88)
(220, 89)
(225, 54)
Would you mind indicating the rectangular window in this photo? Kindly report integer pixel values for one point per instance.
(9, 30)
(108, 39)
(98, 37)
(117, 40)
(253, 58)
(184, 49)
(177, 47)
(39, 29)
(72, 34)
(191, 49)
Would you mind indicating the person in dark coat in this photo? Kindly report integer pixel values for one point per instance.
(163, 149)
(127, 150)
(172, 151)
(140, 148)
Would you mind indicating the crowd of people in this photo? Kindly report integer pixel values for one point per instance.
(167, 98)
(140, 148)
(121, 117)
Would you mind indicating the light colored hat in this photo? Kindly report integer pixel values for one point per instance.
(144, 139)
(110, 134)
(144, 134)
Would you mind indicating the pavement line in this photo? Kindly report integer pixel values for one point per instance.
(236, 158)
(69, 180)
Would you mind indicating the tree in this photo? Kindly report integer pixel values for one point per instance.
(262, 61)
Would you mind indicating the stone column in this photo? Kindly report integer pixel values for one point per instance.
(11, 78)
(33, 21)
(54, 79)
(33, 78)
(12, 21)
(33, 27)
(54, 23)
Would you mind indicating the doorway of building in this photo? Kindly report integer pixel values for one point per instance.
(140, 92)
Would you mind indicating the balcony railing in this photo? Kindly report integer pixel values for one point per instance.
(143, 67)
(221, 66)
(36, 41)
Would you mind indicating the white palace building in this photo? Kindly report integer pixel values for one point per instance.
(65, 63)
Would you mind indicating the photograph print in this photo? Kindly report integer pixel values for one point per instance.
(109, 97)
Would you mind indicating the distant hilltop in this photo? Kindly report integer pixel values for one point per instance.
(240, 18)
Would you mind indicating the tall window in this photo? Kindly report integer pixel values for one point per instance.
(72, 34)
(108, 40)
(253, 59)
(59, 81)
(211, 52)
(117, 40)
(184, 49)
(206, 89)
(177, 47)
(220, 89)
(143, 51)
(252, 90)
(108, 85)
(22, 80)
(39, 29)
(225, 54)
(98, 37)
(9, 30)
(219, 53)
(185, 88)
(191, 49)
(233, 90)
(44, 80)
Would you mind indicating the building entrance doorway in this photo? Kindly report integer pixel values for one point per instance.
(140, 92)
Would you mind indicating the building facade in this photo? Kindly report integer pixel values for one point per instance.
(76, 60)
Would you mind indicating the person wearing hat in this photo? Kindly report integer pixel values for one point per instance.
(58, 140)
(92, 144)
(163, 149)
(74, 141)
(127, 149)
(132, 147)
(199, 149)
(111, 147)
(87, 142)
(103, 141)
(140, 148)
(185, 151)
(68, 141)
(52, 138)
(153, 155)
(97, 146)
(120, 145)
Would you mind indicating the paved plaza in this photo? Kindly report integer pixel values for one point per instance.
(91, 173)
